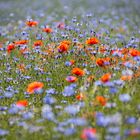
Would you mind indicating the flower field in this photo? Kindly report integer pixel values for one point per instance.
(70, 70)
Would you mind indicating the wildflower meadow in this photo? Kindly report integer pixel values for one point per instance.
(70, 70)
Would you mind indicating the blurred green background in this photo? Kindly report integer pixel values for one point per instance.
(13, 10)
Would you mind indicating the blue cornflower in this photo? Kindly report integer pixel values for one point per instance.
(113, 90)
(13, 110)
(113, 137)
(49, 100)
(127, 72)
(26, 77)
(59, 129)
(137, 58)
(73, 85)
(110, 105)
(113, 130)
(47, 113)
(84, 65)
(28, 66)
(103, 121)
(72, 109)
(69, 131)
(119, 82)
(1, 97)
(67, 63)
(32, 128)
(48, 79)
(68, 91)
(98, 83)
(128, 64)
(8, 94)
(28, 115)
(131, 120)
(77, 121)
(9, 88)
(3, 132)
(51, 91)
(81, 36)
(125, 97)
(109, 84)
(3, 108)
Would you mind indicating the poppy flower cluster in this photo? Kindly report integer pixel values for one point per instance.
(75, 77)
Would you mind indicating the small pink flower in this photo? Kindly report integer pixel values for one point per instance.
(71, 79)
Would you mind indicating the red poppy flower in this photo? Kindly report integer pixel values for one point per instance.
(88, 132)
(32, 87)
(102, 100)
(21, 42)
(22, 103)
(106, 77)
(78, 71)
(134, 52)
(100, 62)
(38, 43)
(92, 41)
(63, 48)
(47, 30)
(31, 23)
(10, 47)
(80, 96)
